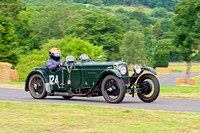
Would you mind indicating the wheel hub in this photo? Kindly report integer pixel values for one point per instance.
(109, 89)
(38, 87)
(146, 88)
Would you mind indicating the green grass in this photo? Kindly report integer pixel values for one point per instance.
(197, 78)
(183, 66)
(128, 8)
(43, 117)
(13, 83)
(191, 92)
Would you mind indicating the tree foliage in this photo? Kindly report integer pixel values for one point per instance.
(53, 20)
(157, 30)
(140, 16)
(102, 30)
(7, 41)
(159, 12)
(132, 50)
(161, 54)
(67, 45)
(9, 9)
(168, 4)
(187, 28)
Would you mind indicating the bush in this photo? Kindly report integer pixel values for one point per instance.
(67, 45)
(161, 58)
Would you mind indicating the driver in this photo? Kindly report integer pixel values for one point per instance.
(54, 62)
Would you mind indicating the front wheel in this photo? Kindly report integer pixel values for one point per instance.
(113, 89)
(37, 87)
(149, 88)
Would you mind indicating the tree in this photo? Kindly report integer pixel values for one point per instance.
(132, 50)
(25, 37)
(187, 30)
(165, 25)
(7, 41)
(150, 45)
(102, 30)
(161, 54)
(157, 30)
(140, 16)
(159, 12)
(52, 21)
(135, 25)
(9, 9)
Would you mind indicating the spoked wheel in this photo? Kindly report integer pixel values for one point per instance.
(149, 88)
(67, 97)
(113, 89)
(37, 87)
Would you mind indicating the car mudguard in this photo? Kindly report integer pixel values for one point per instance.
(150, 69)
(43, 74)
(106, 72)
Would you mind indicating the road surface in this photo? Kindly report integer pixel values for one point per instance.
(170, 79)
(167, 104)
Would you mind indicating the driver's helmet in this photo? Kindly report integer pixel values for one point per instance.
(55, 53)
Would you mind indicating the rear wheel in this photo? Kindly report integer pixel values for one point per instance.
(37, 87)
(149, 88)
(113, 89)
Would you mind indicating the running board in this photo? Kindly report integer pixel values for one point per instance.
(68, 94)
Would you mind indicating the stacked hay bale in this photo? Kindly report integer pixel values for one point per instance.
(163, 70)
(7, 74)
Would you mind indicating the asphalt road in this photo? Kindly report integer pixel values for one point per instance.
(167, 104)
(170, 79)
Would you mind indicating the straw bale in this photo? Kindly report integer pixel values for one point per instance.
(5, 65)
(181, 81)
(14, 76)
(163, 69)
(5, 75)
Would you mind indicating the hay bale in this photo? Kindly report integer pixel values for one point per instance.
(5, 75)
(181, 81)
(163, 69)
(5, 65)
(14, 76)
(195, 71)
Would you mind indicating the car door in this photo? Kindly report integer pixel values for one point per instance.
(55, 81)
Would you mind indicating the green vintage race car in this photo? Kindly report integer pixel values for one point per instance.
(87, 78)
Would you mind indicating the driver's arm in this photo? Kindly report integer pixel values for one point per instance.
(51, 66)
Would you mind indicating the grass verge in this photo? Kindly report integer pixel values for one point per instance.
(44, 117)
(179, 67)
(187, 92)
(13, 83)
(197, 78)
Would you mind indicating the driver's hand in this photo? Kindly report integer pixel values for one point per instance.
(61, 64)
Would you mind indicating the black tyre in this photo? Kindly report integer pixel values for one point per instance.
(113, 89)
(149, 88)
(37, 87)
(67, 97)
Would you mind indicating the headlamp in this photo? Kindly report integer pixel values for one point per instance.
(137, 69)
(122, 69)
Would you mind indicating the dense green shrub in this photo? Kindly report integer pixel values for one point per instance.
(161, 58)
(67, 45)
